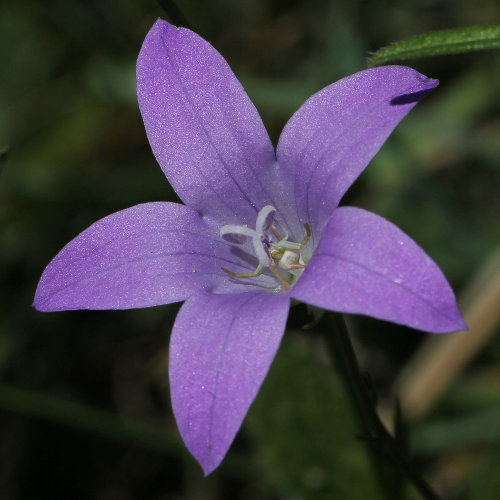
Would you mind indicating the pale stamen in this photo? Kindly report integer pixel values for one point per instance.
(277, 255)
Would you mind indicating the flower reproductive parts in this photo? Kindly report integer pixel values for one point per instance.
(273, 249)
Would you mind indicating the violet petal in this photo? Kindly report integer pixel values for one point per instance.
(220, 351)
(150, 254)
(366, 265)
(332, 137)
(204, 131)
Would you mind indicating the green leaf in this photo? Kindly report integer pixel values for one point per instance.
(437, 43)
(87, 418)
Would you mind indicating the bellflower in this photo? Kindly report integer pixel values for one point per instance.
(258, 228)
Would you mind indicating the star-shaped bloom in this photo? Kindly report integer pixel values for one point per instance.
(258, 228)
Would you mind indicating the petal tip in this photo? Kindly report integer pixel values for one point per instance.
(423, 86)
(451, 323)
(208, 457)
(459, 326)
(39, 303)
(209, 466)
(43, 304)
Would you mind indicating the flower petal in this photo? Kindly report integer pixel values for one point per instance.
(220, 351)
(150, 254)
(366, 265)
(332, 137)
(204, 131)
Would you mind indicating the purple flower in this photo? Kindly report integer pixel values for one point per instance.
(258, 228)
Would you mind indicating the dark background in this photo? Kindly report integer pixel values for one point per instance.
(84, 405)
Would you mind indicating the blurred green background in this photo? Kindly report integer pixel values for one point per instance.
(84, 405)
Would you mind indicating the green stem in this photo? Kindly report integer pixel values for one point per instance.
(381, 442)
(352, 378)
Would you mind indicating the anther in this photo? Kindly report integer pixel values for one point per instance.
(272, 249)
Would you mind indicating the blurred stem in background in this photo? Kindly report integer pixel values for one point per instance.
(4, 152)
(174, 13)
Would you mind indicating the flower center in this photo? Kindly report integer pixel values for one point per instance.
(273, 249)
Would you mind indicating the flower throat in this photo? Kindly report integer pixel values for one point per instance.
(271, 247)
